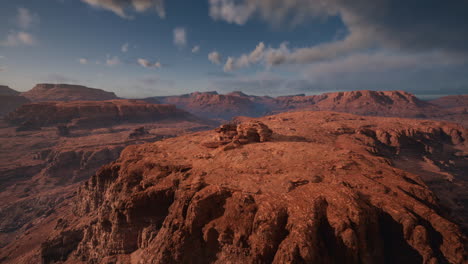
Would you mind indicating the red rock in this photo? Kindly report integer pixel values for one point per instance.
(5, 90)
(66, 92)
(95, 114)
(9, 103)
(331, 198)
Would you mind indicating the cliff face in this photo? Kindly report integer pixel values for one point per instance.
(94, 114)
(5, 90)
(66, 92)
(9, 103)
(10, 100)
(304, 187)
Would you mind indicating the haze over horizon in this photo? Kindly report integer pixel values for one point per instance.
(139, 48)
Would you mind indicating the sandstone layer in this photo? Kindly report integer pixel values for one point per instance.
(66, 92)
(41, 169)
(317, 187)
(94, 114)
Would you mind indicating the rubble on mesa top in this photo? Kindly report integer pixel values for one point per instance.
(233, 135)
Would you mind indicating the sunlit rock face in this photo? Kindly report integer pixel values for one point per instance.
(321, 188)
(67, 92)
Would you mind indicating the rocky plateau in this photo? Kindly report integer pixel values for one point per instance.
(301, 187)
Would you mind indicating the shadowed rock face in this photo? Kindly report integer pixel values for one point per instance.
(324, 188)
(10, 100)
(5, 90)
(9, 103)
(94, 114)
(66, 92)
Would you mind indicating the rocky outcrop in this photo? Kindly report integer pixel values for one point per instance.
(233, 135)
(323, 188)
(86, 114)
(10, 100)
(5, 90)
(66, 92)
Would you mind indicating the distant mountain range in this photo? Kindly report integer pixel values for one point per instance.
(212, 105)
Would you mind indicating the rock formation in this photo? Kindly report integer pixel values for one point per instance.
(5, 90)
(10, 100)
(95, 114)
(9, 103)
(66, 92)
(322, 188)
(373, 103)
(451, 101)
(214, 105)
(234, 135)
(41, 169)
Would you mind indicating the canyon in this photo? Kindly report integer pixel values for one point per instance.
(276, 189)
(333, 178)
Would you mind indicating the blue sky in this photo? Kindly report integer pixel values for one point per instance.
(258, 46)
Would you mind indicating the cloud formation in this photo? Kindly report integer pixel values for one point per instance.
(120, 7)
(180, 37)
(18, 38)
(83, 61)
(397, 26)
(246, 60)
(26, 19)
(147, 64)
(124, 47)
(215, 57)
(112, 61)
(196, 49)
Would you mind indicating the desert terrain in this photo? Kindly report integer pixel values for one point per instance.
(93, 179)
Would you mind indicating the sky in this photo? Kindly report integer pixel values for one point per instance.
(142, 48)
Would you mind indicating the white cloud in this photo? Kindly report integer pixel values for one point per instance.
(215, 57)
(83, 61)
(18, 38)
(112, 61)
(25, 18)
(120, 7)
(368, 63)
(196, 49)
(147, 64)
(372, 24)
(180, 37)
(124, 47)
(246, 60)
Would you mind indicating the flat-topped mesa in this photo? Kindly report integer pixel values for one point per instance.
(235, 135)
(67, 92)
(94, 113)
